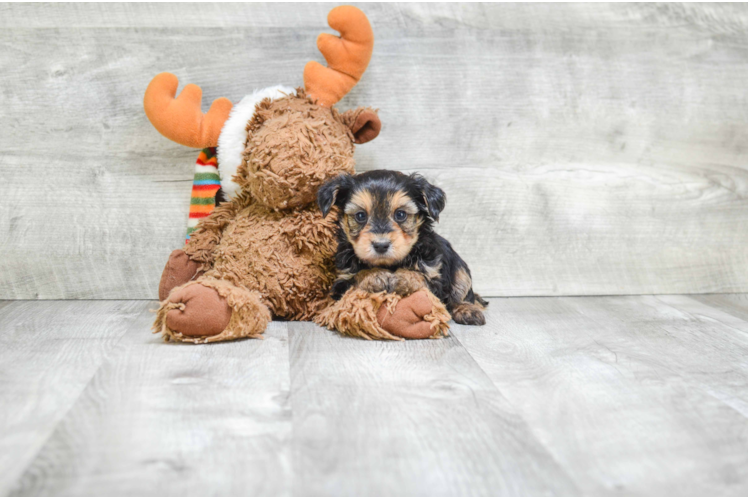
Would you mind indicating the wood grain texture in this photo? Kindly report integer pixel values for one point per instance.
(406, 418)
(578, 395)
(633, 395)
(585, 149)
(49, 351)
(718, 18)
(173, 419)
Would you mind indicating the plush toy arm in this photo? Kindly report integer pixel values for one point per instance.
(386, 316)
(207, 235)
(355, 315)
(315, 234)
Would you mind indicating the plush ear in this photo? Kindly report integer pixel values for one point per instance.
(364, 123)
(334, 192)
(431, 199)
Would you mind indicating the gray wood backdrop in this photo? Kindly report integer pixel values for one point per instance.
(585, 148)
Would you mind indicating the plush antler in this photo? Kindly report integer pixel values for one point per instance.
(347, 56)
(182, 119)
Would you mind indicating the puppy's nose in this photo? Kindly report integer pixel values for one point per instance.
(381, 246)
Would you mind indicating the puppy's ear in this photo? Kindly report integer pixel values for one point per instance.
(431, 199)
(334, 192)
(363, 122)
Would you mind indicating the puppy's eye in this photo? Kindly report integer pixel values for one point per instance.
(360, 217)
(400, 215)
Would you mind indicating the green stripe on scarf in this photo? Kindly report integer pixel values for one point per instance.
(207, 177)
(203, 201)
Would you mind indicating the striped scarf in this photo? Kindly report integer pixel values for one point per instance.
(204, 188)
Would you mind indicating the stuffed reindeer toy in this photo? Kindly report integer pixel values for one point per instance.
(267, 250)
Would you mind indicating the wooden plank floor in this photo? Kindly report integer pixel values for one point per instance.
(642, 395)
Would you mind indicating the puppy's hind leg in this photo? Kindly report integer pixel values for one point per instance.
(480, 300)
(466, 313)
(465, 305)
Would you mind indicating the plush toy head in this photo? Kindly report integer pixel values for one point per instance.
(279, 145)
(294, 146)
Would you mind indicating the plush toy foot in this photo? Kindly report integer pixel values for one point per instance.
(179, 270)
(202, 312)
(211, 310)
(410, 319)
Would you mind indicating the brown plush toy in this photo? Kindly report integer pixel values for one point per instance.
(267, 250)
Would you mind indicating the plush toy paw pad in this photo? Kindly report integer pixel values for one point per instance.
(204, 312)
(407, 320)
(179, 270)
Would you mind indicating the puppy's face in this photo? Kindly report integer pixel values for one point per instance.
(381, 224)
(382, 212)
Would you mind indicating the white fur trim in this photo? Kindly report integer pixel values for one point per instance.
(234, 134)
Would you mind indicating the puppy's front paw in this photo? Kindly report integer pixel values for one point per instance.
(408, 282)
(376, 280)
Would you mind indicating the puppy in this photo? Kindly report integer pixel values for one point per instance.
(386, 241)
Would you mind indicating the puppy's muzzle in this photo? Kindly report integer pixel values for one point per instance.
(381, 246)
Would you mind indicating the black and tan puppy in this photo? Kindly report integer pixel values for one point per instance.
(386, 241)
